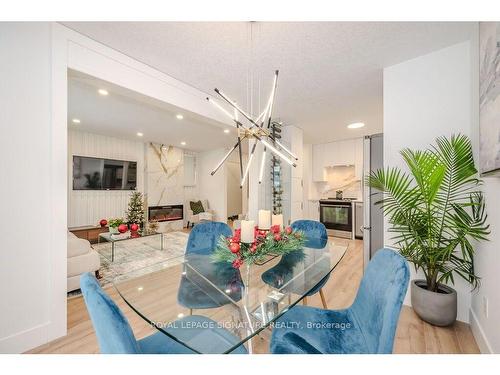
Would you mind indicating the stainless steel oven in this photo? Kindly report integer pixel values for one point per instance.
(336, 215)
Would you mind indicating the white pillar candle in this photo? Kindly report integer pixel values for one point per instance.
(247, 231)
(264, 219)
(277, 220)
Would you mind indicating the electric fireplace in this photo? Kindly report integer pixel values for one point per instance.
(166, 213)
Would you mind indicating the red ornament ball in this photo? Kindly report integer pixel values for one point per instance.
(122, 228)
(134, 227)
(277, 237)
(103, 222)
(234, 247)
(288, 230)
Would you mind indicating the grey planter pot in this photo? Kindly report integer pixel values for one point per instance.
(437, 308)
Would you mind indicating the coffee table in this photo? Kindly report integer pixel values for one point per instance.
(108, 237)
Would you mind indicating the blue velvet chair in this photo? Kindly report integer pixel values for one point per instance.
(204, 236)
(194, 292)
(116, 337)
(316, 237)
(368, 326)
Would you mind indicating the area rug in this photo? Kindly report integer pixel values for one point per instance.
(138, 256)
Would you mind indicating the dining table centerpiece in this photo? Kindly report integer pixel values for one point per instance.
(239, 248)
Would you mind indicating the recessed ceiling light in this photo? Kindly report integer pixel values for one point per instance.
(179, 116)
(139, 134)
(183, 143)
(356, 125)
(226, 131)
(76, 121)
(103, 92)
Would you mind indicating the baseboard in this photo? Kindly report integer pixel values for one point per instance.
(23, 341)
(478, 333)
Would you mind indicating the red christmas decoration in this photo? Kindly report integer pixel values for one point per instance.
(122, 228)
(275, 229)
(253, 248)
(103, 223)
(237, 263)
(234, 247)
(277, 237)
(288, 230)
(134, 227)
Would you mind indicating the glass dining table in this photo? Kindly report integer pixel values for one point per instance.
(245, 301)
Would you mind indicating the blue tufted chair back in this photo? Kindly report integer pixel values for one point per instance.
(314, 231)
(204, 237)
(111, 327)
(379, 299)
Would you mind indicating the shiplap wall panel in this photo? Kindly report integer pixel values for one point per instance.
(87, 207)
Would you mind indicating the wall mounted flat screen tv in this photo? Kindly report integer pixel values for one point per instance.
(103, 174)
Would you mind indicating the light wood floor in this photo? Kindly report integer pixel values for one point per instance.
(412, 336)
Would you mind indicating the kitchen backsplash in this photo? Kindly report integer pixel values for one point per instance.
(342, 178)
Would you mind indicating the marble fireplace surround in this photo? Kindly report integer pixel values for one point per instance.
(164, 180)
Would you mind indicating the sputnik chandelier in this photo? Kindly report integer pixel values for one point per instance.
(258, 128)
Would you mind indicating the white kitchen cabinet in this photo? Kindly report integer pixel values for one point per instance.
(339, 153)
(318, 163)
(330, 152)
(346, 152)
(313, 210)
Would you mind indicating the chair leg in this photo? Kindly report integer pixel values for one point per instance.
(304, 301)
(190, 311)
(323, 299)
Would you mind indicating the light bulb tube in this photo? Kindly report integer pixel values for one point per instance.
(262, 163)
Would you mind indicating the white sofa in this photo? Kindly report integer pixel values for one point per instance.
(81, 258)
(194, 219)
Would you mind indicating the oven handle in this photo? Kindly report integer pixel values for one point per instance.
(335, 205)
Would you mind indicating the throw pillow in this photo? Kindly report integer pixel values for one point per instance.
(196, 207)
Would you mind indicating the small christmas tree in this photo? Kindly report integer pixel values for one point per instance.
(135, 212)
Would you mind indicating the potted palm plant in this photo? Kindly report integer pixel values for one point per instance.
(436, 212)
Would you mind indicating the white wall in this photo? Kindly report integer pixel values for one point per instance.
(234, 192)
(213, 188)
(32, 262)
(487, 259)
(87, 207)
(424, 98)
(33, 68)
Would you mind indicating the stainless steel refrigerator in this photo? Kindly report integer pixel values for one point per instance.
(373, 219)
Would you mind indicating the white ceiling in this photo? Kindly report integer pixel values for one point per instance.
(330, 72)
(124, 113)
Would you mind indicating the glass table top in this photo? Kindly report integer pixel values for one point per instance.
(243, 301)
(110, 237)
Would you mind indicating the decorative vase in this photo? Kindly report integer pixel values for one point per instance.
(437, 308)
(113, 230)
